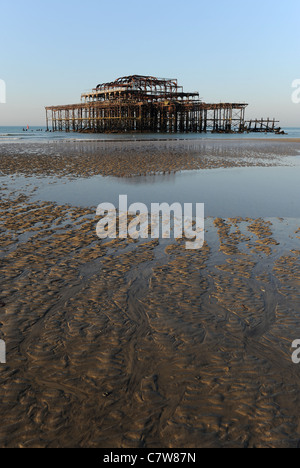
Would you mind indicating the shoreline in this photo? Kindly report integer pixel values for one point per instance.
(139, 140)
(133, 158)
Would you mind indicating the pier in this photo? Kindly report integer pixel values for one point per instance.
(144, 104)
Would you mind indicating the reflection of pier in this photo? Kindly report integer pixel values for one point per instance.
(145, 104)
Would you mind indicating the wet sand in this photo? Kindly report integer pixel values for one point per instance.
(145, 344)
(130, 159)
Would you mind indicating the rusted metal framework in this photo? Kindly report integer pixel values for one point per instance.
(262, 126)
(145, 104)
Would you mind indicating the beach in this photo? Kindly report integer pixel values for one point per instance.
(128, 343)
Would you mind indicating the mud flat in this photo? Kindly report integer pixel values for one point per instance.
(144, 344)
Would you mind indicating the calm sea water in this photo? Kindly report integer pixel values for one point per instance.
(39, 134)
(226, 192)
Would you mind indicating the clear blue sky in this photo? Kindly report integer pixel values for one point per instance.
(227, 50)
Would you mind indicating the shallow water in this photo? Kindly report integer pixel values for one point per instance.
(251, 191)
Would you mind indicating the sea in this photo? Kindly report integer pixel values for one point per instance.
(39, 134)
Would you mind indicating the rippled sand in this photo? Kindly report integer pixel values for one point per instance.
(130, 345)
(146, 344)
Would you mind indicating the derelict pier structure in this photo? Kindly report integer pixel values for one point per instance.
(147, 104)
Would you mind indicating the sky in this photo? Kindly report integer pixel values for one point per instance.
(229, 51)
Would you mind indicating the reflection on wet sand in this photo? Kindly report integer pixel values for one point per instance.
(85, 159)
